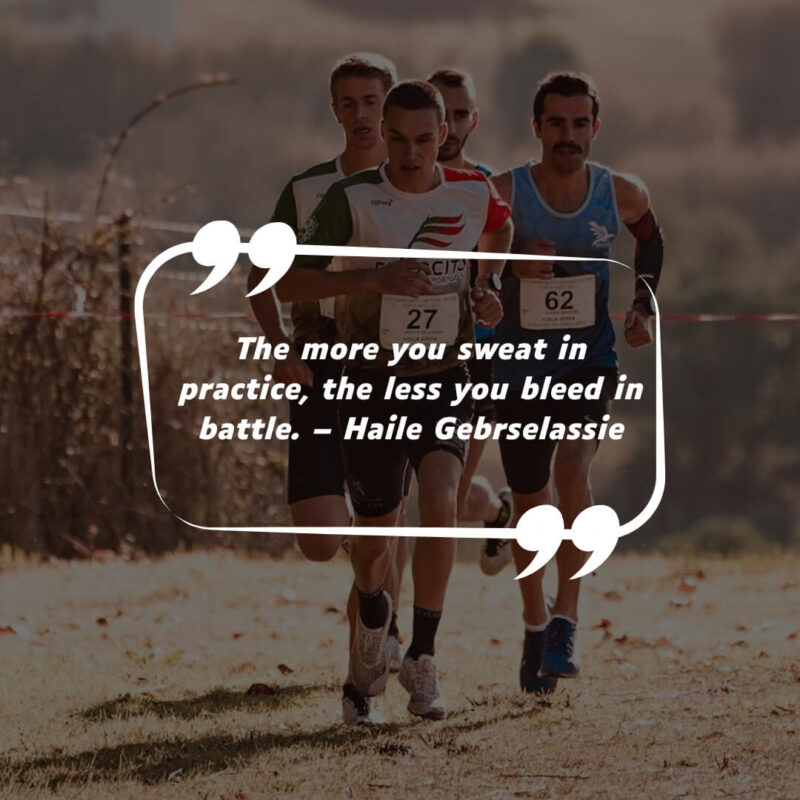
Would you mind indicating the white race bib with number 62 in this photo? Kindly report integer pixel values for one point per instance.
(557, 303)
(430, 319)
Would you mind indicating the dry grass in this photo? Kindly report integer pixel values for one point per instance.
(128, 680)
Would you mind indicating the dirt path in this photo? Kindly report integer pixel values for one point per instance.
(128, 679)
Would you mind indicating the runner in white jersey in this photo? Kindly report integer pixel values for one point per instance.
(358, 85)
(564, 205)
(477, 501)
(409, 201)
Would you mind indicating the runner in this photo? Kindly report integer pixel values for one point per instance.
(409, 201)
(477, 501)
(565, 205)
(358, 86)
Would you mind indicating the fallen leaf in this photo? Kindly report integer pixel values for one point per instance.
(795, 670)
(332, 610)
(621, 639)
(742, 628)
(494, 641)
(740, 643)
(663, 643)
(792, 635)
(102, 621)
(173, 658)
(285, 670)
(247, 665)
(763, 654)
(237, 636)
(604, 623)
(680, 602)
(612, 594)
(7, 629)
(688, 586)
(260, 688)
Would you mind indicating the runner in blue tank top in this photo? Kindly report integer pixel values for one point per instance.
(564, 205)
(477, 500)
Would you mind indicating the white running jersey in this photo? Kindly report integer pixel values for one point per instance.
(367, 210)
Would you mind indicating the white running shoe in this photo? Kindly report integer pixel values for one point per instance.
(394, 653)
(419, 679)
(495, 554)
(369, 662)
(358, 710)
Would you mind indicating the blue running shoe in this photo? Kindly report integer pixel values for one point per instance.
(560, 656)
(529, 680)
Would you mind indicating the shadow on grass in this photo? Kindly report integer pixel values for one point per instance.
(217, 701)
(160, 760)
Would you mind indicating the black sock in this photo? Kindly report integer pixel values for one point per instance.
(393, 629)
(372, 608)
(424, 632)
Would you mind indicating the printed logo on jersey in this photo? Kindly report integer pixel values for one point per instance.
(434, 227)
(308, 230)
(602, 236)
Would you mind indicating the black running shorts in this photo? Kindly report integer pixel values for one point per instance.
(527, 462)
(315, 462)
(376, 470)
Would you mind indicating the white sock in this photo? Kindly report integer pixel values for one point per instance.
(535, 628)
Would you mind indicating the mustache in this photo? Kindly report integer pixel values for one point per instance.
(570, 147)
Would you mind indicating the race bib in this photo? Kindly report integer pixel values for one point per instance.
(430, 319)
(557, 303)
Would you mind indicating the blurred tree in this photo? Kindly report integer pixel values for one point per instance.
(518, 72)
(761, 56)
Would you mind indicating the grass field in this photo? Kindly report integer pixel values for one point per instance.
(128, 680)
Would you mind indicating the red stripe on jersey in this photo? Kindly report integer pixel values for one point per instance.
(446, 220)
(447, 231)
(454, 175)
(435, 242)
(498, 211)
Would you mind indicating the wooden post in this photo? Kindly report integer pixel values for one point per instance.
(123, 228)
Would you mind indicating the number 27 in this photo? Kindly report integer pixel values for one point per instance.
(416, 315)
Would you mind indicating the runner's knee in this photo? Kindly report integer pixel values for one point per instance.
(318, 546)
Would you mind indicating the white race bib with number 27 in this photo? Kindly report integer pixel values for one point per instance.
(430, 319)
(557, 303)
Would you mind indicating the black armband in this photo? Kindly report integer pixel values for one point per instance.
(649, 254)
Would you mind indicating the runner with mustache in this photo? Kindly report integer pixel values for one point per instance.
(566, 206)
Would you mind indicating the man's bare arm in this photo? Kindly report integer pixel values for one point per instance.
(498, 241)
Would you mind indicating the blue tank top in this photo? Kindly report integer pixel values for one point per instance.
(587, 232)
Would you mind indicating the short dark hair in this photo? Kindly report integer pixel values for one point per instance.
(364, 65)
(454, 79)
(567, 84)
(414, 96)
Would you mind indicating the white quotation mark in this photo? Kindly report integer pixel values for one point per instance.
(217, 244)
